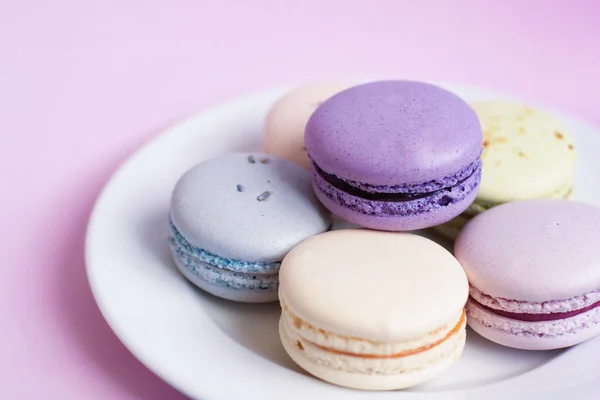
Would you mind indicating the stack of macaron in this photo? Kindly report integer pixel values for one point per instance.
(385, 308)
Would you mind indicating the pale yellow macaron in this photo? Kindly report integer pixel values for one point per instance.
(285, 122)
(527, 154)
(372, 310)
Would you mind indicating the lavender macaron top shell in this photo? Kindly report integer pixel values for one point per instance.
(248, 207)
(533, 251)
(392, 133)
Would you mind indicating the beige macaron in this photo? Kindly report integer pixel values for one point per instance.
(372, 310)
(285, 122)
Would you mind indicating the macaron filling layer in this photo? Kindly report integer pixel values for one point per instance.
(536, 311)
(224, 277)
(405, 353)
(404, 192)
(399, 203)
(362, 356)
(204, 256)
(346, 344)
(537, 329)
(540, 317)
(351, 346)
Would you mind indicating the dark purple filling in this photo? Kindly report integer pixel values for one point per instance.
(539, 317)
(380, 196)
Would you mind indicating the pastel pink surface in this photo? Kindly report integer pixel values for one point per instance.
(85, 83)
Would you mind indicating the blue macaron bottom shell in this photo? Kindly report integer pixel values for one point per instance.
(243, 285)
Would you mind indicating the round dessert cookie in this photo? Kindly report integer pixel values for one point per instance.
(534, 270)
(527, 154)
(285, 123)
(372, 310)
(395, 155)
(234, 217)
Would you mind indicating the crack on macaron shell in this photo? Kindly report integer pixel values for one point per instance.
(224, 277)
(449, 349)
(256, 267)
(336, 342)
(416, 189)
(438, 200)
(554, 328)
(531, 307)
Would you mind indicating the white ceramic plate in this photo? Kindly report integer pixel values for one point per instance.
(212, 349)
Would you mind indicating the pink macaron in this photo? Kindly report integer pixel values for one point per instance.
(284, 126)
(534, 271)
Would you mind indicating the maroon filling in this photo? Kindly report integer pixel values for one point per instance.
(539, 317)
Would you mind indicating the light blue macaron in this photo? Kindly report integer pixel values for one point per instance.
(234, 217)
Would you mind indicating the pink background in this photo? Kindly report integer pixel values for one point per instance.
(83, 85)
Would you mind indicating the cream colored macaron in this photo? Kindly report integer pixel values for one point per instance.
(527, 154)
(372, 310)
(284, 125)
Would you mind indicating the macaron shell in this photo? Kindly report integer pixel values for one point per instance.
(485, 323)
(373, 285)
(217, 206)
(285, 122)
(527, 154)
(535, 250)
(361, 133)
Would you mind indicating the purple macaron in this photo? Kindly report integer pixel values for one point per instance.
(395, 155)
(534, 270)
